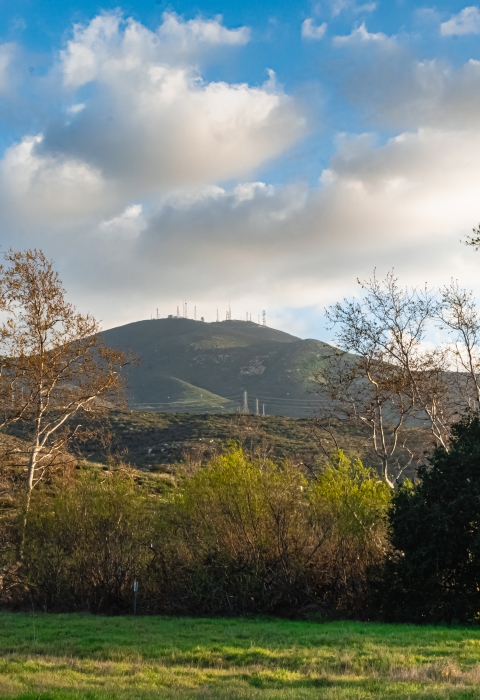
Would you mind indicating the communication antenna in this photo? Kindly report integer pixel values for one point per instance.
(157, 313)
(194, 313)
(178, 312)
(250, 317)
(257, 412)
(264, 318)
(245, 402)
(263, 407)
(185, 310)
(229, 317)
(217, 315)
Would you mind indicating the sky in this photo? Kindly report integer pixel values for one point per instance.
(262, 155)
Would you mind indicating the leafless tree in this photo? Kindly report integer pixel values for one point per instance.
(474, 240)
(459, 314)
(56, 371)
(382, 376)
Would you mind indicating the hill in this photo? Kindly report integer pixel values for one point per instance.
(161, 442)
(196, 366)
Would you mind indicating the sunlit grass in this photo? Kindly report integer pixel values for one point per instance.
(61, 657)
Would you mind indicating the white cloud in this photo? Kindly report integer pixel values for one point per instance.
(312, 31)
(109, 45)
(406, 202)
(149, 124)
(7, 53)
(466, 22)
(199, 31)
(127, 192)
(361, 35)
(339, 6)
(50, 190)
(407, 94)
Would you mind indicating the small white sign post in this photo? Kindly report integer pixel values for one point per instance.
(135, 589)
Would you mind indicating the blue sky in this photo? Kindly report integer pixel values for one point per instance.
(265, 154)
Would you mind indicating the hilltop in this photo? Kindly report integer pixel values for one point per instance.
(194, 366)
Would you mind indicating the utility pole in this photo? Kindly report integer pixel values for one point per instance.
(245, 402)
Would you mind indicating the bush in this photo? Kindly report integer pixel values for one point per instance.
(254, 536)
(242, 535)
(85, 546)
(434, 575)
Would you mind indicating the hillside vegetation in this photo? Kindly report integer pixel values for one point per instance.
(197, 366)
(162, 441)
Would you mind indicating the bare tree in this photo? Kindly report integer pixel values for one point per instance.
(56, 371)
(389, 378)
(459, 313)
(474, 240)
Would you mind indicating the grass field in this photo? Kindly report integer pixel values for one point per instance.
(53, 657)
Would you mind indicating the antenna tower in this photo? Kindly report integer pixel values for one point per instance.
(194, 313)
(257, 412)
(157, 313)
(264, 318)
(178, 312)
(263, 406)
(245, 402)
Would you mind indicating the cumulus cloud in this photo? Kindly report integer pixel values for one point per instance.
(126, 189)
(312, 31)
(149, 124)
(44, 191)
(466, 22)
(339, 6)
(110, 44)
(195, 32)
(361, 35)
(407, 201)
(405, 93)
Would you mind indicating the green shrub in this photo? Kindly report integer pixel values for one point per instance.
(254, 536)
(85, 546)
(242, 535)
(434, 574)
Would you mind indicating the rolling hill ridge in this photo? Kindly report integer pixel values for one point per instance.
(193, 366)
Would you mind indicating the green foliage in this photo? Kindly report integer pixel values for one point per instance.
(355, 498)
(241, 535)
(256, 536)
(86, 545)
(436, 531)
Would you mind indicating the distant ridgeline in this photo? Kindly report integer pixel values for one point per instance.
(196, 367)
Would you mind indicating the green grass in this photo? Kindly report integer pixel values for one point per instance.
(57, 657)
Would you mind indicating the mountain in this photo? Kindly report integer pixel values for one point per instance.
(193, 366)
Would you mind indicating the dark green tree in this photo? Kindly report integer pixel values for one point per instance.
(434, 573)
